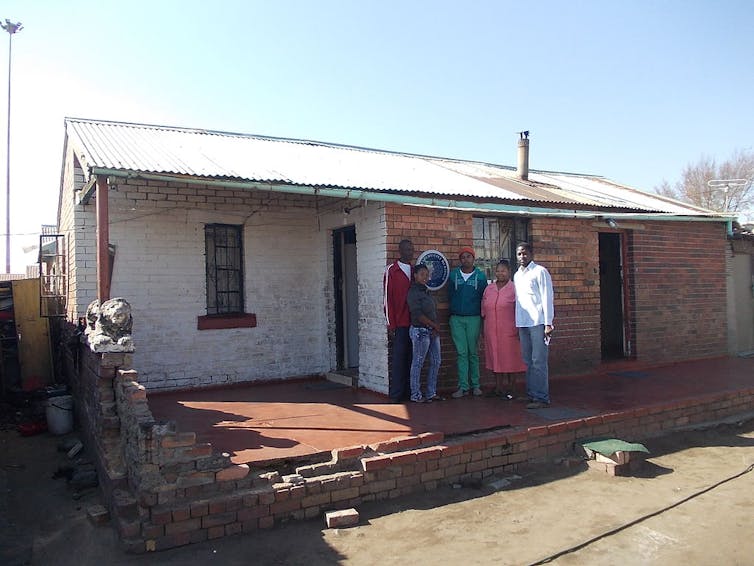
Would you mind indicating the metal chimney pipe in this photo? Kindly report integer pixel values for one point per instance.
(523, 156)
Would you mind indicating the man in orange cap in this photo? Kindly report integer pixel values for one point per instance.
(466, 285)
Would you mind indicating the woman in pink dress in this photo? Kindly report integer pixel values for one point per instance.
(501, 344)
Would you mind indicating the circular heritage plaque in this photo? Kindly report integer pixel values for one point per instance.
(438, 266)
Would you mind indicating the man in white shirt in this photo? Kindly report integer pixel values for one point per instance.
(534, 315)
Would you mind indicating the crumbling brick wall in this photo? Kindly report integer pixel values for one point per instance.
(91, 379)
(174, 490)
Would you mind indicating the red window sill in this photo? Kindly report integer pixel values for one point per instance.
(221, 321)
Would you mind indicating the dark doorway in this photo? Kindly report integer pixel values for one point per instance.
(346, 298)
(611, 296)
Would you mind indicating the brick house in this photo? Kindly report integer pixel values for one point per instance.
(248, 258)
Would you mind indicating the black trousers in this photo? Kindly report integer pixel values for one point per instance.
(401, 365)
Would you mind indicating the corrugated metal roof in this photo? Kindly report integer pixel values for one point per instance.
(230, 156)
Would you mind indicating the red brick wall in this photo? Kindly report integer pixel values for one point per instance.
(568, 248)
(677, 304)
(433, 229)
(679, 280)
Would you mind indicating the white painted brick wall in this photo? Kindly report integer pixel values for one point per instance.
(77, 223)
(371, 243)
(371, 239)
(159, 268)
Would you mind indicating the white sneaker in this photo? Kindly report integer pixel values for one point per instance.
(460, 393)
(477, 392)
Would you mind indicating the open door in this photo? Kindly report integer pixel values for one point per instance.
(346, 298)
(741, 319)
(612, 319)
(33, 332)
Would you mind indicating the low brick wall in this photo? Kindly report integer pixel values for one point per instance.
(91, 378)
(171, 490)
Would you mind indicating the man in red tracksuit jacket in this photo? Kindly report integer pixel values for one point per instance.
(396, 282)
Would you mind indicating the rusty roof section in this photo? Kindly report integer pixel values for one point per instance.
(207, 154)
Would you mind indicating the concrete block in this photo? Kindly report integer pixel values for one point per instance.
(348, 453)
(97, 514)
(342, 518)
(617, 458)
(609, 469)
(294, 479)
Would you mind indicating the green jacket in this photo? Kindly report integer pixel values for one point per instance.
(465, 297)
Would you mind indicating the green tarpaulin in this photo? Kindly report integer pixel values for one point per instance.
(612, 445)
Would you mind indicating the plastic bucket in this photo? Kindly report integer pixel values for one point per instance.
(59, 414)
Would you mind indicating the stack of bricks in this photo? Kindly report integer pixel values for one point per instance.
(165, 468)
(618, 464)
(91, 377)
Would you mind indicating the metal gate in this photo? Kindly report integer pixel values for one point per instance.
(53, 274)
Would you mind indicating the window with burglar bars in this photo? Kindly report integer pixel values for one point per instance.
(53, 276)
(495, 238)
(224, 269)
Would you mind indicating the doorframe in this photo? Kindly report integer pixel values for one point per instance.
(627, 345)
(341, 342)
(628, 342)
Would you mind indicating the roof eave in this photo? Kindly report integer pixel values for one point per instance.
(400, 198)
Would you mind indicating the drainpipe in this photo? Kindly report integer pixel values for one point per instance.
(103, 238)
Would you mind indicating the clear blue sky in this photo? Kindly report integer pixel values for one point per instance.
(632, 90)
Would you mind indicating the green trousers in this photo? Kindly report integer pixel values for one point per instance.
(464, 330)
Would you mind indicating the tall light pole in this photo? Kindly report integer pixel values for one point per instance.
(11, 28)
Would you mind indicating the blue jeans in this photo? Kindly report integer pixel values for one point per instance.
(424, 341)
(535, 352)
(398, 388)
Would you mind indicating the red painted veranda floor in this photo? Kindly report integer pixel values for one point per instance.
(272, 422)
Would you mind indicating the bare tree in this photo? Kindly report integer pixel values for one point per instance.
(694, 188)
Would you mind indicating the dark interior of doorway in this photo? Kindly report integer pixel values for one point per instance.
(342, 237)
(611, 296)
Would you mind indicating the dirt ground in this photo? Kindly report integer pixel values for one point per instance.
(544, 512)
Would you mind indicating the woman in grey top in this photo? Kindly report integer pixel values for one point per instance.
(425, 336)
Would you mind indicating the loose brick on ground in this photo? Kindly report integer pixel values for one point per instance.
(97, 514)
(342, 518)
